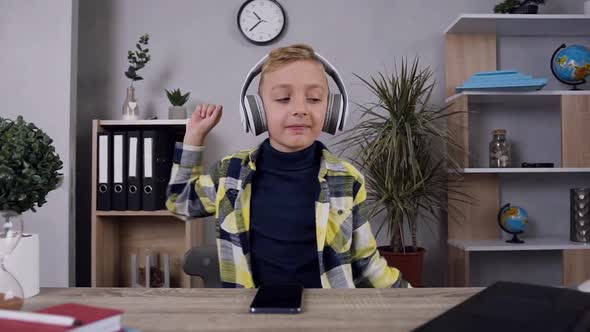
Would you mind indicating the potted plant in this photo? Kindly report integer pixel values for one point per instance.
(137, 61)
(177, 99)
(29, 169)
(400, 140)
(518, 6)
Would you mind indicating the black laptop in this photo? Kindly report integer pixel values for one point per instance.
(516, 307)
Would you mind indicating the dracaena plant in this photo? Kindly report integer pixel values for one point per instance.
(29, 165)
(400, 139)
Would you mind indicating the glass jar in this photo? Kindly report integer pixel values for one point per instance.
(500, 155)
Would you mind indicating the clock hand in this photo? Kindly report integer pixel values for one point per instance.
(255, 25)
(259, 17)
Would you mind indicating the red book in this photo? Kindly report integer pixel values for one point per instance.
(89, 319)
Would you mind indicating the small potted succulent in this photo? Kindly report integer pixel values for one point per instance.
(29, 169)
(519, 7)
(177, 99)
(137, 61)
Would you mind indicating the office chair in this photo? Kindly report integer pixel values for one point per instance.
(202, 262)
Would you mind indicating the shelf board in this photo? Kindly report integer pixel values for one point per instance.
(522, 25)
(524, 170)
(520, 96)
(158, 213)
(181, 122)
(530, 244)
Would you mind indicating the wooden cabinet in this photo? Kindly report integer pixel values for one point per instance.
(118, 234)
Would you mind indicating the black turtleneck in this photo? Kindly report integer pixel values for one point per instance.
(283, 242)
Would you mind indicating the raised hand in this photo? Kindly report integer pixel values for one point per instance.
(204, 118)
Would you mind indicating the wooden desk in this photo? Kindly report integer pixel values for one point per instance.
(339, 310)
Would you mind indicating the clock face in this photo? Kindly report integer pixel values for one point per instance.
(261, 21)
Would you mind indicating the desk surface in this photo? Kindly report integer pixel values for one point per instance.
(194, 309)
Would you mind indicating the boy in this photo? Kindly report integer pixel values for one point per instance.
(289, 210)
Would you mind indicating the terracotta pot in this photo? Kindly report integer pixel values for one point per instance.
(409, 263)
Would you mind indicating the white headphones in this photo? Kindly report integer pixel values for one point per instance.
(252, 110)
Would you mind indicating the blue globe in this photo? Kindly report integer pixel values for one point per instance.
(571, 64)
(513, 220)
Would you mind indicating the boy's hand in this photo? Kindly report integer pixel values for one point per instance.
(204, 118)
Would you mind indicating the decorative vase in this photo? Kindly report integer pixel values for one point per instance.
(580, 215)
(11, 292)
(130, 106)
(410, 264)
(177, 112)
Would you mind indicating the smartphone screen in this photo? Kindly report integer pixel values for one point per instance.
(282, 298)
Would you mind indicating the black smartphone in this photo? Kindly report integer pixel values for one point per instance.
(277, 299)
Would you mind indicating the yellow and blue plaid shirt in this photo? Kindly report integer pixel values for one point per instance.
(347, 249)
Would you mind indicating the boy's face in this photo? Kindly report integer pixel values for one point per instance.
(295, 98)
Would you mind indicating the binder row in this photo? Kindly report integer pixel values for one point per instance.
(133, 169)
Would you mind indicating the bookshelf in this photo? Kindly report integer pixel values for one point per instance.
(535, 170)
(531, 244)
(118, 234)
(562, 116)
(521, 25)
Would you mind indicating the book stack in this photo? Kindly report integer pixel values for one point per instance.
(64, 317)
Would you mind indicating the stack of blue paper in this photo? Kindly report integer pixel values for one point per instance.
(502, 80)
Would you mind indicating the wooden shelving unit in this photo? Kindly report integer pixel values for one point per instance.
(118, 234)
(481, 170)
(521, 25)
(531, 244)
(470, 47)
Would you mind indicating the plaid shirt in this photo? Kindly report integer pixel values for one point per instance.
(347, 249)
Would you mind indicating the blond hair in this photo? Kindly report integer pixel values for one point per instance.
(285, 55)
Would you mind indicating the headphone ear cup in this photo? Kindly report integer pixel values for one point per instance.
(332, 114)
(261, 115)
(249, 105)
(338, 106)
(256, 116)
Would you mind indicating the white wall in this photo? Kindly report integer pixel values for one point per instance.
(196, 46)
(37, 64)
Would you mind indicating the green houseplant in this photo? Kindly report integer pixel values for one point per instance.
(401, 141)
(138, 59)
(177, 99)
(29, 169)
(518, 6)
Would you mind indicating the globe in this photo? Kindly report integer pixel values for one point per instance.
(571, 64)
(513, 220)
